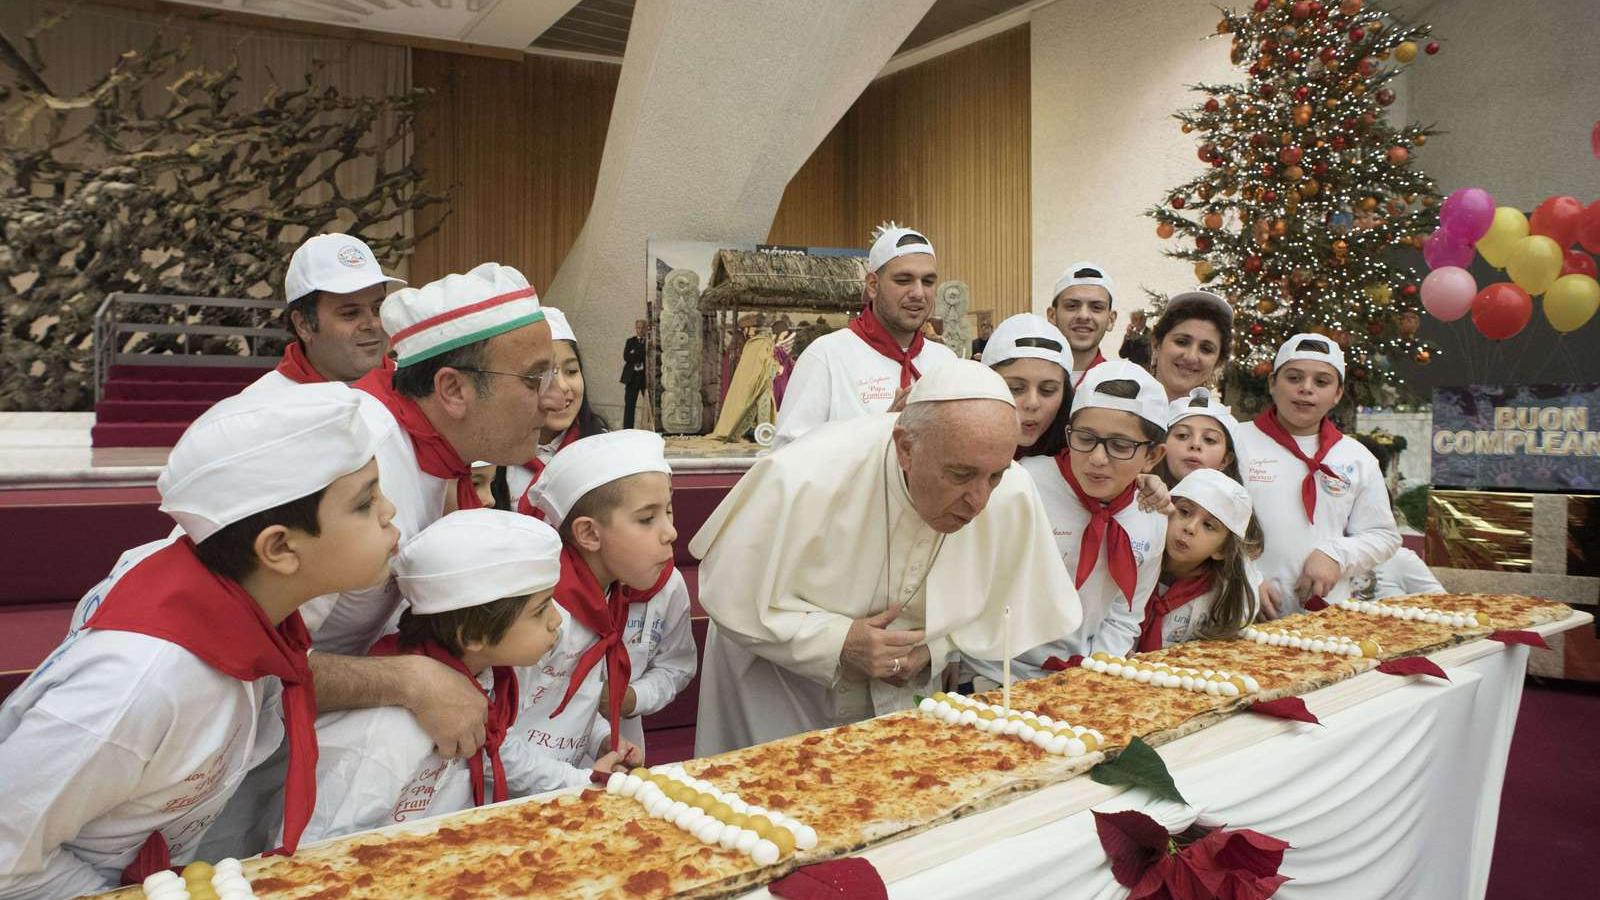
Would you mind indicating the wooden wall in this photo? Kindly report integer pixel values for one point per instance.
(942, 146)
(518, 144)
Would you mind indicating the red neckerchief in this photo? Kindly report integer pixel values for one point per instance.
(871, 331)
(435, 456)
(1328, 435)
(1164, 601)
(295, 367)
(1102, 528)
(502, 710)
(585, 600)
(171, 595)
(1098, 359)
(536, 466)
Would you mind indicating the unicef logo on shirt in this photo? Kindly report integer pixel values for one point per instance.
(352, 257)
(1336, 485)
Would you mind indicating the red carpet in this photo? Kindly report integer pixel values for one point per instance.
(1548, 842)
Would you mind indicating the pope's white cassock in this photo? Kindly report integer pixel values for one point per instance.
(823, 532)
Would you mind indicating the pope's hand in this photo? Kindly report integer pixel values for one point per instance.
(914, 663)
(1318, 576)
(451, 709)
(1153, 495)
(877, 652)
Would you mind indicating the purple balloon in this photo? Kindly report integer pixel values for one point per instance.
(1467, 214)
(1447, 293)
(1442, 249)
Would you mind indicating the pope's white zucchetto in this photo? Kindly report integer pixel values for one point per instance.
(261, 449)
(961, 379)
(476, 556)
(591, 462)
(457, 310)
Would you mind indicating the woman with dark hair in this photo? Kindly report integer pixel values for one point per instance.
(1191, 342)
(1029, 353)
(573, 420)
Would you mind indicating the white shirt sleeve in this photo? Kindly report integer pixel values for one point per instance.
(1405, 573)
(672, 663)
(357, 789)
(531, 772)
(1370, 535)
(806, 398)
(1118, 633)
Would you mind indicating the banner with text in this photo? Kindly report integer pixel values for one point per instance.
(1540, 437)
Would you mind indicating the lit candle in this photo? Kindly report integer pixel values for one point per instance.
(1005, 665)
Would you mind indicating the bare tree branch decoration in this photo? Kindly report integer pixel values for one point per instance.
(204, 196)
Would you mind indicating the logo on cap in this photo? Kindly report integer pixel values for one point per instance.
(352, 257)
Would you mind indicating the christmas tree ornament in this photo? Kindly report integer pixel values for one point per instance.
(1384, 96)
(1164, 231)
(1406, 52)
(1203, 270)
(1212, 220)
(1398, 156)
(1266, 306)
(1432, 48)
(1177, 201)
(1261, 369)
(1349, 7)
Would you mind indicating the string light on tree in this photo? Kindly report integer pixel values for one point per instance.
(1307, 189)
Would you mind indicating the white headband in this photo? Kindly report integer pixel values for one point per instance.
(1225, 499)
(1026, 336)
(885, 246)
(477, 556)
(1290, 351)
(1150, 404)
(1085, 272)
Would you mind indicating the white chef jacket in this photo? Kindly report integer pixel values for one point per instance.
(1354, 525)
(1109, 623)
(271, 379)
(114, 736)
(661, 656)
(797, 550)
(1401, 574)
(1185, 622)
(377, 767)
(840, 377)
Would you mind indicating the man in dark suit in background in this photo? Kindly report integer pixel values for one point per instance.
(633, 355)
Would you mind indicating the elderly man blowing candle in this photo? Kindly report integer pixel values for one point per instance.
(844, 570)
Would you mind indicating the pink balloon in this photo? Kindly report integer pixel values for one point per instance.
(1442, 248)
(1467, 214)
(1447, 293)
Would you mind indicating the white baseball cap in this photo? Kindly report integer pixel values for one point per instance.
(1085, 272)
(476, 556)
(1225, 499)
(336, 263)
(1026, 336)
(1292, 350)
(594, 461)
(1200, 299)
(457, 310)
(886, 245)
(1150, 403)
(1201, 402)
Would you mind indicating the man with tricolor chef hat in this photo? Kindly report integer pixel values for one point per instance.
(843, 573)
(869, 367)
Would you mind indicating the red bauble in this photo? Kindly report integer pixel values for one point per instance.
(1207, 151)
(1252, 263)
(1256, 329)
(1177, 201)
(1268, 92)
(1302, 92)
(1398, 156)
(1294, 56)
(1261, 5)
(1338, 142)
(1269, 197)
(1316, 8)
(1320, 169)
(1432, 48)
(1367, 66)
(1290, 155)
(1262, 369)
(1385, 97)
(1212, 105)
(1409, 290)
(1267, 171)
(1202, 243)
(1301, 10)
(1356, 34)
(1348, 124)
(1328, 55)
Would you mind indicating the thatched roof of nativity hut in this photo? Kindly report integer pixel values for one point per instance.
(756, 279)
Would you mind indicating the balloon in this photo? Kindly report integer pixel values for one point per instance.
(1577, 262)
(1467, 213)
(1557, 218)
(1447, 293)
(1501, 310)
(1510, 226)
(1589, 227)
(1571, 302)
(1535, 263)
(1443, 248)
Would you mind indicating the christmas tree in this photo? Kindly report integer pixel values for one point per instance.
(1309, 191)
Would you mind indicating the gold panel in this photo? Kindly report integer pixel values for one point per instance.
(1480, 530)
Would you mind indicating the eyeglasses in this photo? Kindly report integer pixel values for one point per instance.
(1116, 447)
(538, 382)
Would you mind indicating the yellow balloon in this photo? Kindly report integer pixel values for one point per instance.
(1571, 302)
(1535, 263)
(1510, 226)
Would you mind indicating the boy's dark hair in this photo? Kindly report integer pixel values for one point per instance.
(231, 551)
(416, 380)
(1172, 318)
(1128, 389)
(453, 630)
(306, 306)
(598, 504)
(1314, 346)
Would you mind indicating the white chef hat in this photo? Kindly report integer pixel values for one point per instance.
(887, 245)
(1201, 402)
(591, 462)
(457, 310)
(261, 449)
(1026, 336)
(336, 263)
(477, 556)
(961, 379)
(1149, 404)
(1200, 299)
(1292, 350)
(560, 329)
(1084, 272)
(1225, 499)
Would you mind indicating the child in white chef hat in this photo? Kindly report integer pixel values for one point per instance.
(1206, 589)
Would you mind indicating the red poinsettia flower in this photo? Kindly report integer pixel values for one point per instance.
(1231, 865)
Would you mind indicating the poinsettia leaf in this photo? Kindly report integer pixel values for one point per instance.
(1531, 638)
(1133, 842)
(1259, 854)
(1139, 765)
(852, 877)
(1315, 604)
(1286, 708)
(1057, 664)
(1178, 881)
(1412, 665)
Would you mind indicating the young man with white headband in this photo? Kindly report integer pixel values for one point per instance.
(1108, 545)
(122, 748)
(1320, 496)
(333, 289)
(870, 366)
(1205, 589)
(478, 585)
(1081, 306)
(843, 572)
(611, 499)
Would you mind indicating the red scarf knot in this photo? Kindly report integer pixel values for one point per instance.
(1328, 435)
(1162, 602)
(1103, 529)
(435, 456)
(871, 331)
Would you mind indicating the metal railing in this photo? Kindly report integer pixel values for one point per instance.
(111, 329)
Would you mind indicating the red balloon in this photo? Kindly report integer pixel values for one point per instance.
(1501, 310)
(1577, 262)
(1557, 218)
(1589, 228)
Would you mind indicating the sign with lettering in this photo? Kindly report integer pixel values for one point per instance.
(1538, 437)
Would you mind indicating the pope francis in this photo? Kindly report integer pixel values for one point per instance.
(844, 570)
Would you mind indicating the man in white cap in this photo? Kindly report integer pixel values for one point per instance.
(842, 574)
(1081, 306)
(123, 747)
(334, 287)
(870, 366)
